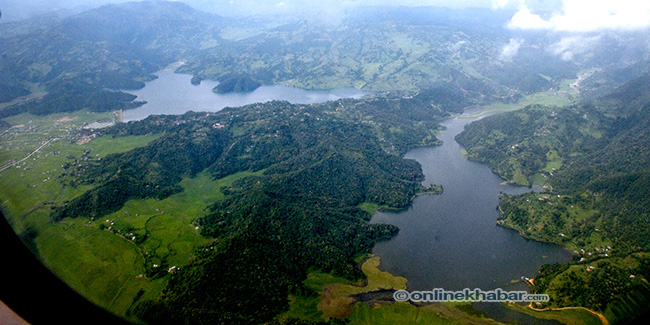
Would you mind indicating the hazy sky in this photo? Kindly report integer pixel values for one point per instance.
(555, 15)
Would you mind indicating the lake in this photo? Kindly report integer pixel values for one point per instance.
(451, 241)
(448, 241)
(172, 93)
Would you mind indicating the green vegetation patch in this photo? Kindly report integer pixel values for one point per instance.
(37, 181)
(106, 269)
(106, 145)
(396, 313)
(335, 295)
(568, 220)
(565, 95)
(532, 144)
(567, 316)
(614, 287)
(165, 229)
(113, 259)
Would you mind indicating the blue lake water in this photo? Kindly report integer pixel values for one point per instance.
(451, 241)
(173, 93)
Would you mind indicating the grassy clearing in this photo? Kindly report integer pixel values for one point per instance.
(553, 161)
(377, 279)
(316, 280)
(102, 267)
(519, 178)
(539, 179)
(370, 207)
(106, 145)
(303, 308)
(306, 307)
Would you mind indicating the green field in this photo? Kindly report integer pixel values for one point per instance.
(93, 256)
(109, 262)
(167, 224)
(563, 96)
(396, 313)
(36, 182)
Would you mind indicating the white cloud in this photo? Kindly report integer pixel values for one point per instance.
(568, 47)
(499, 4)
(525, 19)
(511, 49)
(587, 15)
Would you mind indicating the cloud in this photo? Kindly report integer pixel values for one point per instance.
(587, 15)
(568, 47)
(499, 4)
(511, 49)
(525, 19)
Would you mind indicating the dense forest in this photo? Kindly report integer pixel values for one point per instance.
(319, 162)
(74, 96)
(593, 160)
(236, 84)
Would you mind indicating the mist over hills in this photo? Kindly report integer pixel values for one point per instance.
(379, 49)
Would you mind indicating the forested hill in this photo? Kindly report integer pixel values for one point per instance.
(378, 49)
(112, 47)
(594, 160)
(319, 163)
(115, 46)
(537, 141)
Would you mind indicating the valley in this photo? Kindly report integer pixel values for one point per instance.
(164, 198)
